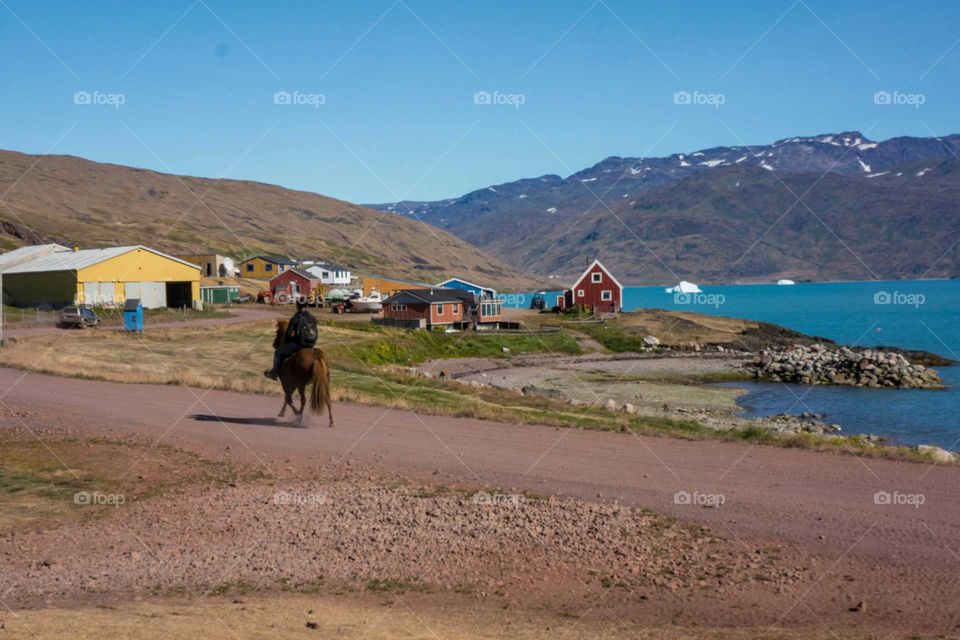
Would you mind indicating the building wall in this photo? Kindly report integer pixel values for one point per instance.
(209, 264)
(411, 311)
(592, 292)
(281, 284)
(53, 288)
(451, 312)
(490, 311)
(388, 287)
(138, 266)
(260, 269)
(478, 292)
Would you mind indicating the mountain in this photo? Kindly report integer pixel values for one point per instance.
(654, 219)
(75, 201)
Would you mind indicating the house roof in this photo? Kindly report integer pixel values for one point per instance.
(432, 296)
(466, 282)
(593, 264)
(25, 254)
(76, 260)
(273, 259)
(326, 267)
(300, 272)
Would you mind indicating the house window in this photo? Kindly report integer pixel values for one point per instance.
(606, 295)
(399, 307)
(268, 267)
(439, 309)
(456, 309)
(249, 268)
(596, 278)
(580, 293)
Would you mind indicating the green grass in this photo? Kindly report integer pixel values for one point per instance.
(408, 348)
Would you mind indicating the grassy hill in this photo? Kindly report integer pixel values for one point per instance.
(75, 201)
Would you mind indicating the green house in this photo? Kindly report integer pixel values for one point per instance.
(223, 294)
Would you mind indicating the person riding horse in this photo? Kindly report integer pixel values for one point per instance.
(301, 334)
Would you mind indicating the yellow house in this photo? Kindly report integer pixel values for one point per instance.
(104, 278)
(388, 286)
(265, 267)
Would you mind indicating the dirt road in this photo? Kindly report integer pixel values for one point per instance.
(834, 504)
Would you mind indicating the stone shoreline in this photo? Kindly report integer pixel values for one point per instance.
(818, 364)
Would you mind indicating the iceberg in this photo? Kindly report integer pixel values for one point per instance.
(684, 287)
(785, 281)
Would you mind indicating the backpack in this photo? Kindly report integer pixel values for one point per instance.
(307, 333)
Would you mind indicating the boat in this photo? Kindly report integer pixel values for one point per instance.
(372, 303)
(784, 281)
(684, 287)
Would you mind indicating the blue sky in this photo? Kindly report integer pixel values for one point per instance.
(397, 81)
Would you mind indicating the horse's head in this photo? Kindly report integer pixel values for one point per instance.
(281, 333)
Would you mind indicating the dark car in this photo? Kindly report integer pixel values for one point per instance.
(78, 317)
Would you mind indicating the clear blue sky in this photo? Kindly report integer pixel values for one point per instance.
(398, 81)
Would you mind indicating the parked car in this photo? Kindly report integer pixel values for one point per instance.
(78, 317)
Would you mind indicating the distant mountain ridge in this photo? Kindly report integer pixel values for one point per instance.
(70, 200)
(550, 224)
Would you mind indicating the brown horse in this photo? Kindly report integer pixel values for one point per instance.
(305, 366)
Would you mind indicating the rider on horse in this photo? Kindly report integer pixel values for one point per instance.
(301, 334)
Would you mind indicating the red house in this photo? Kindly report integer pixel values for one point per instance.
(428, 308)
(596, 289)
(291, 284)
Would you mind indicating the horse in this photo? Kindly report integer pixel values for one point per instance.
(308, 365)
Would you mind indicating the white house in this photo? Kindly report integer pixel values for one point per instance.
(331, 274)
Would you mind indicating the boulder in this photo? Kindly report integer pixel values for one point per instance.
(938, 455)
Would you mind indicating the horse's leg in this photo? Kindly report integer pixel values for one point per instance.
(303, 399)
(287, 398)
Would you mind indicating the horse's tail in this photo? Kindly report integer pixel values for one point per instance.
(320, 394)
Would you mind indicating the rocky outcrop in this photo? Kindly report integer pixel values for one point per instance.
(817, 364)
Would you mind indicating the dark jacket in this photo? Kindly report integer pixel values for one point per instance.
(293, 327)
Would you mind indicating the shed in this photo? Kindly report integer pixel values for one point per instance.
(219, 294)
(104, 277)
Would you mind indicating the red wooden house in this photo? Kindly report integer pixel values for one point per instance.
(597, 290)
(428, 308)
(291, 284)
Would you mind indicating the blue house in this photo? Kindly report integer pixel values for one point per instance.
(480, 292)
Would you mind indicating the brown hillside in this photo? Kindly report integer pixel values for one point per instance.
(75, 201)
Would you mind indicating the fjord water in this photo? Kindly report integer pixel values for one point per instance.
(922, 314)
(917, 314)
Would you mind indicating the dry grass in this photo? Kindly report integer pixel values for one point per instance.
(352, 617)
(39, 481)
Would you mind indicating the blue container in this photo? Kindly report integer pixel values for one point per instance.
(133, 315)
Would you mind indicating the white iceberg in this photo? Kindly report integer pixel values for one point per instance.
(785, 281)
(684, 287)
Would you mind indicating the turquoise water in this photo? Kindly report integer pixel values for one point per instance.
(909, 314)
